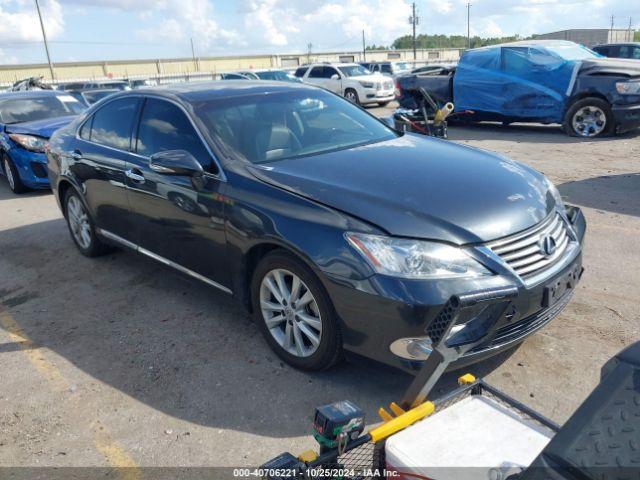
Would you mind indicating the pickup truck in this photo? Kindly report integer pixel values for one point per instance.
(543, 81)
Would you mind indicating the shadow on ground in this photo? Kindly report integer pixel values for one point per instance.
(520, 132)
(172, 343)
(613, 193)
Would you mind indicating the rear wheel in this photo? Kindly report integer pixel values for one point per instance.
(351, 95)
(13, 177)
(589, 117)
(295, 313)
(81, 226)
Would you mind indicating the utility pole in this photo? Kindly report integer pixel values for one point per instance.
(46, 44)
(364, 49)
(468, 25)
(414, 20)
(630, 35)
(309, 47)
(611, 39)
(193, 54)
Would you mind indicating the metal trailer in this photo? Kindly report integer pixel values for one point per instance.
(600, 441)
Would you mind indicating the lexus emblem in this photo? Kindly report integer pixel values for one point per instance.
(547, 246)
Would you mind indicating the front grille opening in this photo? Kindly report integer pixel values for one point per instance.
(523, 252)
(39, 170)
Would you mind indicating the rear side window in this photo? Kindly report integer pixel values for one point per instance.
(112, 124)
(602, 50)
(300, 71)
(386, 68)
(164, 126)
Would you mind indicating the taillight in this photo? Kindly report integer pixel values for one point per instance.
(398, 90)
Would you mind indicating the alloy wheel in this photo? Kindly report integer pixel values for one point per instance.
(290, 312)
(79, 222)
(351, 96)
(589, 121)
(9, 173)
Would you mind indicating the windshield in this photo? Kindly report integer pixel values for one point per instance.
(354, 70)
(280, 125)
(403, 66)
(274, 75)
(93, 97)
(572, 52)
(18, 110)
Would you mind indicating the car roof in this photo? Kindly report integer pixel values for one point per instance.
(193, 91)
(32, 94)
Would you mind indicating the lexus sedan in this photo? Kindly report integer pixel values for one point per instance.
(339, 234)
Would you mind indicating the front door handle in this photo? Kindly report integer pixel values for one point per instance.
(136, 177)
(76, 155)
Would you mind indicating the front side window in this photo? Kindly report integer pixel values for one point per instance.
(292, 124)
(330, 72)
(21, 109)
(112, 123)
(164, 126)
(300, 72)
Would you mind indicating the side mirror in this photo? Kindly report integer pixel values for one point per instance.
(335, 76)
(175, 162)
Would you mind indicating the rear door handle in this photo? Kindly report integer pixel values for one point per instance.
(136, 177)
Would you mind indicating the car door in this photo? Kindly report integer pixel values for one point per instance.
(316, 76)
(178, 219)
(333, 79)
(100, 163)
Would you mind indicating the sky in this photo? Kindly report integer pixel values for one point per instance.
(138, 29)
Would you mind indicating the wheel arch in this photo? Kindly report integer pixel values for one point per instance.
(250, 261)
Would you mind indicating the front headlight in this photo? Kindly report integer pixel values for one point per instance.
(628, 88)
(405, 258)
(553, 190)
(29, 142)
(367, 84)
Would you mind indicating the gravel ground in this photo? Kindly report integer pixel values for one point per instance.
(121, 361)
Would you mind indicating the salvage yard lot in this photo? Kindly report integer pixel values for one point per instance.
(121, 361)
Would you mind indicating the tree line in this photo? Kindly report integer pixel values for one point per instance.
(442, 41)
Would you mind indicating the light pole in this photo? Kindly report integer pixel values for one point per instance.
(468, 25)
(46, 44)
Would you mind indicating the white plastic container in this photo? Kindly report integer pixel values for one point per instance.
(477, 437)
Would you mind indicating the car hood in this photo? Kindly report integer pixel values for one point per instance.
(375, 77)
(611, 66)
(415, 186)
(41, 128)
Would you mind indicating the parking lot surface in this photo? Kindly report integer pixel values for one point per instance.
(121, 361)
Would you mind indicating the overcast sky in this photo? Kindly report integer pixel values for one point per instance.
(126, 29)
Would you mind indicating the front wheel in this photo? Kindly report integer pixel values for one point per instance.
(13, 177)
(294, 313)
(589, 117)
(81, 226)
(351, 95)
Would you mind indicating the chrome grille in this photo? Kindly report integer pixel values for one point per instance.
(523, 253)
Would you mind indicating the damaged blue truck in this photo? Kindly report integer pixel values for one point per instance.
(538, 81)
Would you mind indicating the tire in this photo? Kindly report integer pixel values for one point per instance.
(351, 95)
(12, 175)
(87, 241)
(600, 123)
(327, 351)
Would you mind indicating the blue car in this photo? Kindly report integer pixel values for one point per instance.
(27, 120)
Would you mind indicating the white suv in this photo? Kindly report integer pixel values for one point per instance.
(352, 81)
